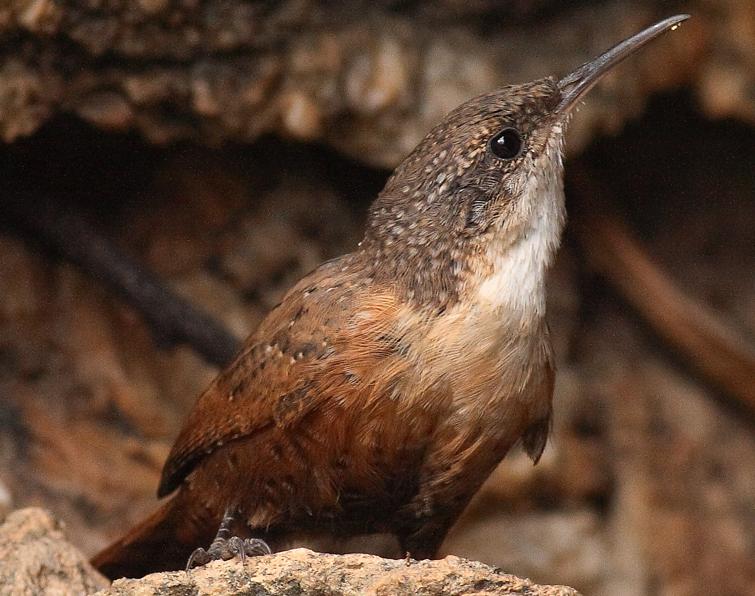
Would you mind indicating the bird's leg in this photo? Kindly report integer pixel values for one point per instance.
(225, 546)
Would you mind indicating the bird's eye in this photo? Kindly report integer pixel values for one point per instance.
(507, 144)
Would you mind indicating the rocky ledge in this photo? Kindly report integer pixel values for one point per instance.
(36, 558)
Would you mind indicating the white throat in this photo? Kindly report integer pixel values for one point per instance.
(517, 282)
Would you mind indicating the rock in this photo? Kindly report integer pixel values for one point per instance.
(35, 558)
(366, 78)
(302, 571)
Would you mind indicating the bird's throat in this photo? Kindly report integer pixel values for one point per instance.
(514, 279)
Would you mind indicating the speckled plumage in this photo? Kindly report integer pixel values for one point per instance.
(387, 384)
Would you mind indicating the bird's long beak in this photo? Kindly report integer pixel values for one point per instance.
(573, 86)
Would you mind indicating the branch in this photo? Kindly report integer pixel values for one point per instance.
(171, 318)
(710, 343)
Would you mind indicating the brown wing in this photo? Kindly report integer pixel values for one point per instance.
(291, 365)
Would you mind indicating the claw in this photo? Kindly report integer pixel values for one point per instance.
(254, 547)
(227, 547)
(199, 557)
(235, 548)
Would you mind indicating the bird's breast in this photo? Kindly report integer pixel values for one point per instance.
(489, 363)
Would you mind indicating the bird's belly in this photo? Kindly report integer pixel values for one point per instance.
(491, 363)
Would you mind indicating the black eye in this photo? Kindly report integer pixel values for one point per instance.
(507, 144)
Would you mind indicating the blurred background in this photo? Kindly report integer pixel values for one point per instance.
(230, 146)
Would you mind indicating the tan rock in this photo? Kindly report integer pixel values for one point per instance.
(35, 558)
(301, 571)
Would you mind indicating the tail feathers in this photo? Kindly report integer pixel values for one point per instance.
(162, 542)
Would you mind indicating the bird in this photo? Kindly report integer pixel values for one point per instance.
(387, 384)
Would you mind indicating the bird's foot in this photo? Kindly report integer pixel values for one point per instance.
(225, 549)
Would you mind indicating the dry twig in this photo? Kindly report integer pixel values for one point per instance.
(710, 343)
(172, 319)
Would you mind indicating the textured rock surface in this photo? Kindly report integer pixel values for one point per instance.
(302, 571)
(369, 78)
(36, 559)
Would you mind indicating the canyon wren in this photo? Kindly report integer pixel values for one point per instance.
(388, 383)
